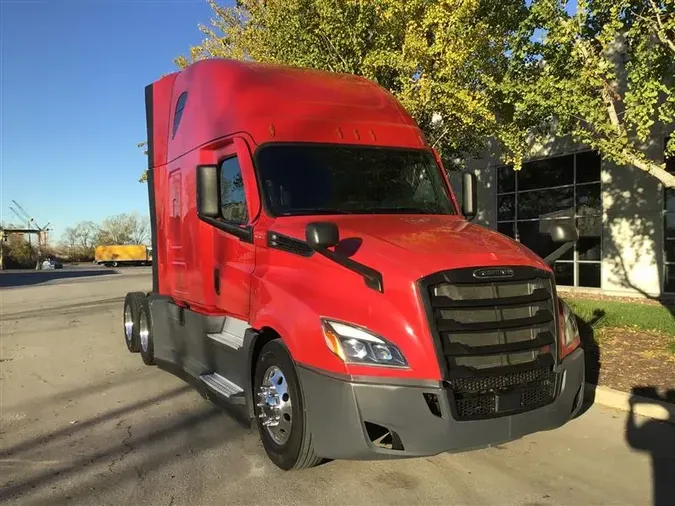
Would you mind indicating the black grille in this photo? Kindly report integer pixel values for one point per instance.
(486, 405)
(496, 339)
(500, 381)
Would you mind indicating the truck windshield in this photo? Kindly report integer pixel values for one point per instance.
(332, 179)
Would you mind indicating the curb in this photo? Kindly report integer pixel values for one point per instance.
(643, 406)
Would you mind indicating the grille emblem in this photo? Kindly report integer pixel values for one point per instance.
(493, 273)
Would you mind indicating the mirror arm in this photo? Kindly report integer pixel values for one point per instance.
(372, 278)
(550, 259)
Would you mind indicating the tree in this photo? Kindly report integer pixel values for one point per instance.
(80, 240)
(604, 75)
(144, 175)
(17, 251)
(442, 59)
(478, 69)
(125, 229)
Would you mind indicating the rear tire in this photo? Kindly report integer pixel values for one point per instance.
(288, 444)
(132, 307)
(145, 334)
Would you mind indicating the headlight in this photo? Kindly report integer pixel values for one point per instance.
(570, 336)
(356, 345)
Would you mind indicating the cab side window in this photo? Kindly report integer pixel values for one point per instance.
(232, 197)
(178, 114)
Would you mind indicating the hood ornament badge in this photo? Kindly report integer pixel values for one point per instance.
(493, 272)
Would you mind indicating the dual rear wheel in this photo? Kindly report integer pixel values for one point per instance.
(138, 326)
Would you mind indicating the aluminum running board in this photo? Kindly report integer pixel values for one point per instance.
(228, 339)
(221, 385)
(232, 333)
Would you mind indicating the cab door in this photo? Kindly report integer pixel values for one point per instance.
(233, 260)
(234, 253)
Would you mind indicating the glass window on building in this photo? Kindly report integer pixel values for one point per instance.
(563, 188)
(669, 232)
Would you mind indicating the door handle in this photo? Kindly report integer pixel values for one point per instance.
(216, 280)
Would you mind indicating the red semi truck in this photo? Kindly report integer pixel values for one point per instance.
(313, 269)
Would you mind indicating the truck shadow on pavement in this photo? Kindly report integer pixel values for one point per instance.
(9, 279)
(591, 356)
(657, 438)
(145, 444)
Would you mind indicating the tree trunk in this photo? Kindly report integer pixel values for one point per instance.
(653, 169)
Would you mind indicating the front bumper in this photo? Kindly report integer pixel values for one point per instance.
(337, 412)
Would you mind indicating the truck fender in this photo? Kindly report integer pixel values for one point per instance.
(254, 339)
(251, 336)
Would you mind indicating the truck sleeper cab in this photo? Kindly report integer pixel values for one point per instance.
(312, 268)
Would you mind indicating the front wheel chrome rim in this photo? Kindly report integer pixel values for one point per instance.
(144, 331)
(275, 405)
(128, 323)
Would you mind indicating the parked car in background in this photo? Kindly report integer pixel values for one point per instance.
(51, 263)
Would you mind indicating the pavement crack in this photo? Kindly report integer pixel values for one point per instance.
(128, 448)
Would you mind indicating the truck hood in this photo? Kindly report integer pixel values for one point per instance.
(421, 244)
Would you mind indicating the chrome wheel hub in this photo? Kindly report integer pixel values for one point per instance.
(128, 323)
(275, 405)
(143, 331)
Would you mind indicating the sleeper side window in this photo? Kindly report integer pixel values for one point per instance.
(178, 114)
(232, 197)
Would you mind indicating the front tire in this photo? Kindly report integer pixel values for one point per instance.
(145, 334)
(132, 308)
(279, 410)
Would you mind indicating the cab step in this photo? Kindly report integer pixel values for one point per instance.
(224, 387)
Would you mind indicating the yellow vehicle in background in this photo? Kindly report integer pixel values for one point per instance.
(115, 255)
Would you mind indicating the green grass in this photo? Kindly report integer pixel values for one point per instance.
(671, 348)
(620, 314)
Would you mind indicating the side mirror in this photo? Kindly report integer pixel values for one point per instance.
(469, 195)
(208, 198)
(563, 233)
(322, 234)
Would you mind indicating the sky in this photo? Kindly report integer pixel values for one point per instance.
(72, 109)
(72, 79)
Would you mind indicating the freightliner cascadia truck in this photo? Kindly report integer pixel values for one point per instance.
(313, 270)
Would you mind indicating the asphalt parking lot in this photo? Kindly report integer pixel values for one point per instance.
(85, 422)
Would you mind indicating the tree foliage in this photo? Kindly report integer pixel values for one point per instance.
(79, 241)
(124, 229)
(144, 175)
(17, 251)
(602, 75)
(473, 70)
(442, 59)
